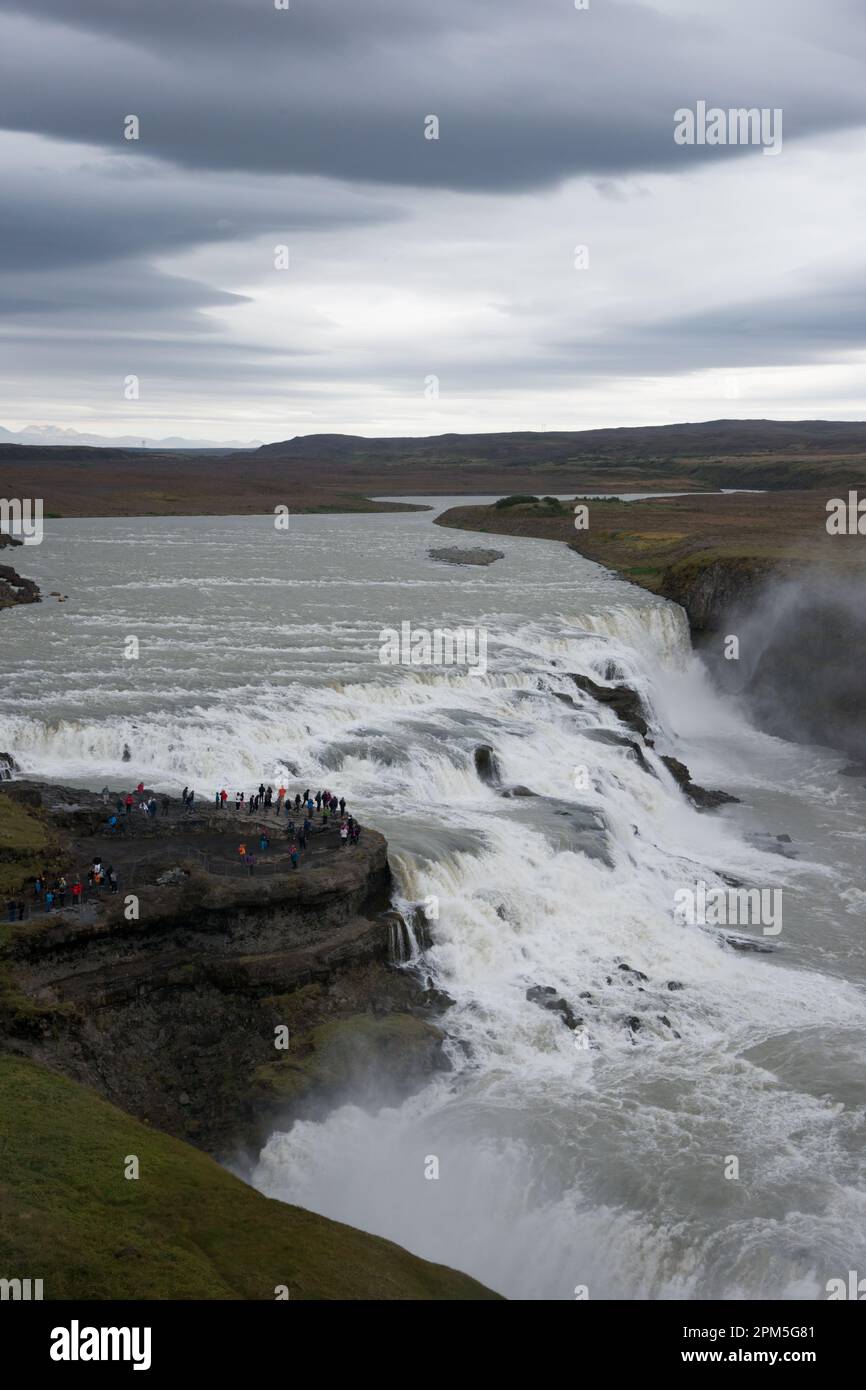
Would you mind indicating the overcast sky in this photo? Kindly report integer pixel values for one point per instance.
(720, 281)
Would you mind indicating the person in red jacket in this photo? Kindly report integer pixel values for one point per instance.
(76, 892)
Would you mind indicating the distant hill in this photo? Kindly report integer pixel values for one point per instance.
(644, 442)
(337, 472)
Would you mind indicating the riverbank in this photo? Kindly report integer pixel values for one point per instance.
(709, 553)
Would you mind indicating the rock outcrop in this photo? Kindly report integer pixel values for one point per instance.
(14, 588)
(209, 1002)
(457, 555)
(8, 767)
(487, 765)
(547, 998)
(699, 796)
(625, 702)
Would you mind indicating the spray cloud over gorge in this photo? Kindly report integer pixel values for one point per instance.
(800, 658)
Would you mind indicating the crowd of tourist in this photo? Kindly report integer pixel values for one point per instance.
(299, 817)
(300, 812)
(53, 892)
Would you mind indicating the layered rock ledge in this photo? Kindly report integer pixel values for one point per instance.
(204, 1000)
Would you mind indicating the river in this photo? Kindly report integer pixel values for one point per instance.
(597, 1159)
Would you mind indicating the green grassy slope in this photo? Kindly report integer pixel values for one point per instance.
(184, 1229)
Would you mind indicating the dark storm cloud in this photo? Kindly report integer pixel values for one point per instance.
(117, 207)
(527, 91)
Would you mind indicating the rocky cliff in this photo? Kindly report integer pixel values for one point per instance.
(208, 1002)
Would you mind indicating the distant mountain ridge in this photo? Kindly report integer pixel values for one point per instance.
(54, 436)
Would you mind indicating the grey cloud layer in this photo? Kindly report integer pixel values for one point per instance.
(102, 208)
(527, 91)
(259, 126)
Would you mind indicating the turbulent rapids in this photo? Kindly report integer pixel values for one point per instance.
(587, 1148)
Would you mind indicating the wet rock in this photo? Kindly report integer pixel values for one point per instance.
(438, 999)
(742, 943)
(611, 737)
(731, 881)
(675, 984)
(400, 943)
(458, 555)
(519, 790)
(8, 767)
(699, 796)
(629, 970)
(14, 588)
(547, 998)
(633, 1024)
(421, 928)
(772, 844)
(625, 702)
(487, 764)
(126, 755)
(853, 770)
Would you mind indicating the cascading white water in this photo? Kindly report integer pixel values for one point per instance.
(558, 1164)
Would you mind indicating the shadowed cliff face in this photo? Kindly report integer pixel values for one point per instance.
(801, 659)
(175, 1013)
